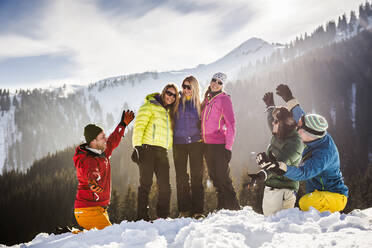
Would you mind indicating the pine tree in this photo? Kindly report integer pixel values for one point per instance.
(115, 206)
(7, 102)
(352, 21)
(362, 15)
(368, 9)
(342, 23)
(129, 210)
(2, 103)
(331, 30)
(15, 102)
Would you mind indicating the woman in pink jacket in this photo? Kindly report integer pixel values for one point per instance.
(218, 131)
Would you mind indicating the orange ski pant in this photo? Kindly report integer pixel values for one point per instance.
(92, 217)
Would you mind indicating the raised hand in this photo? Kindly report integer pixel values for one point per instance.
(127, 117)
(268, 98)
(284, 91)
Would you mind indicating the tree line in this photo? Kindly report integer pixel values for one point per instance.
(325, 34)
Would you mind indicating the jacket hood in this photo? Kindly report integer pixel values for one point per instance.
(81, 152)
(319, 141)
(153, 98)
(215, 93)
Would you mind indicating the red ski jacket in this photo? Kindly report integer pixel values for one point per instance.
(94, 166)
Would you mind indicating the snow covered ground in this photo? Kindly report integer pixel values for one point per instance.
(244, 228)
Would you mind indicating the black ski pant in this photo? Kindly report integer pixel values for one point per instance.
(189, 198)
(218, 159)
(154, 159)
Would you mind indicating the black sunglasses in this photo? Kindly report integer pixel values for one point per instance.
(186, 87)
(170, 94)
(217, 81)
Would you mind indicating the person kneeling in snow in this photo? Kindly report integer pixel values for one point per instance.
(320, 165)
(93, 171)
(287, 146)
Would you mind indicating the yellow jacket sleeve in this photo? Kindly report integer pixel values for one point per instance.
(141, 123)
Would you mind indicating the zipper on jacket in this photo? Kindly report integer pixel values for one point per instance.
(219, 123)
(166, 113)
(153, 131)
(321, 181)
(210, 109)
(211, 101)
(203, 126)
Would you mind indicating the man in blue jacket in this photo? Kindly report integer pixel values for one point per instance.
(320, 165)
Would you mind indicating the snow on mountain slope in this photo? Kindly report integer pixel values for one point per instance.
(244, 228)
(133, 91)
(104, 100)
(8, 133)
(249, 52)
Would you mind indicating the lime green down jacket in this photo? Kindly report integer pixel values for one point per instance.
(153, 124)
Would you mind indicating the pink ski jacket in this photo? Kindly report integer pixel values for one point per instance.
(218, 121)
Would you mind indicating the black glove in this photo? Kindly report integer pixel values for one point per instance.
(268, 98)
(271, 164)
(284, 91)
(278, 168)
(95, 187)
(137, 154)
(126, 117)
(260, 176)
(263, 160)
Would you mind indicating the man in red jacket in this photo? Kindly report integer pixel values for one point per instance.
(93, 171)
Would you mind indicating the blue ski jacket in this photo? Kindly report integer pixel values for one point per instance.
(187, 124)
(320, 167)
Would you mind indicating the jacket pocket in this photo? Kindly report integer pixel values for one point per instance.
(86, 195)
(219, 123)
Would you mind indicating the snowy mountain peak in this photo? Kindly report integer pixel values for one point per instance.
(252, 43)
(249, 47)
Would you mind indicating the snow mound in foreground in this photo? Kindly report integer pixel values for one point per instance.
(244, 228)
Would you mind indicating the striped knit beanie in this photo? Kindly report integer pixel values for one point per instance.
(315, 124)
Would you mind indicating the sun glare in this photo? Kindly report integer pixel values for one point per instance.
(281, 9)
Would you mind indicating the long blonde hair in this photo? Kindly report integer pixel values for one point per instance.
(195, 98)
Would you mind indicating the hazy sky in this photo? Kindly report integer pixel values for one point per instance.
(52, 42)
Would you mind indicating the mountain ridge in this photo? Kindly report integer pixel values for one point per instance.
(102, 102)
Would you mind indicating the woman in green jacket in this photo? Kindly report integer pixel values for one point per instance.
(285, 145)
(152, 136)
